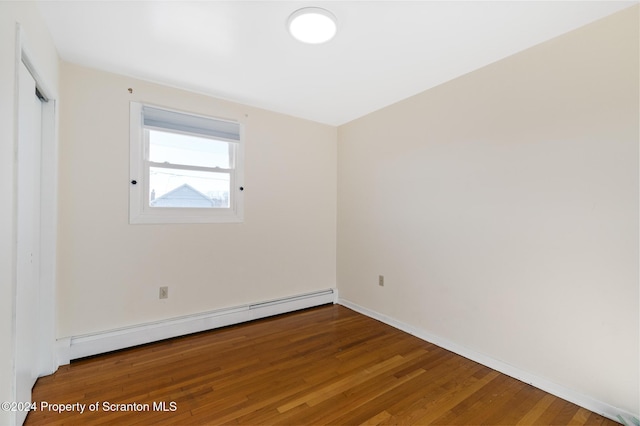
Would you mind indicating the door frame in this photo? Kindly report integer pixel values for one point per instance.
(48, 219)
(47, 362)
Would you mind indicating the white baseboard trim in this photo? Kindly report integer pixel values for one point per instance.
(75, 347)
(62, 352)
(570, 395)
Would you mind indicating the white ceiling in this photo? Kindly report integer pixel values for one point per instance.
(384, 51)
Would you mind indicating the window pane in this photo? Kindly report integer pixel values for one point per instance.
(186, 188)
(174, 148)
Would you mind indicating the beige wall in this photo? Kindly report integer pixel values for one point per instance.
(43, 53)
(110, 271)
(502, 208)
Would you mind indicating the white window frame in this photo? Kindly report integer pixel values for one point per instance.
(140, 211)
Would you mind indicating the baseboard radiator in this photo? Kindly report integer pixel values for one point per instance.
(107, 341)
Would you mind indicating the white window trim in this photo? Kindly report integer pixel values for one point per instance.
(139, 210)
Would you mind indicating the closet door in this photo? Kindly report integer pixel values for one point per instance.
(27, 321)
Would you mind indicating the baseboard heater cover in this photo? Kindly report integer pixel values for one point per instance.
(107, 341)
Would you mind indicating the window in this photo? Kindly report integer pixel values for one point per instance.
(185, 168)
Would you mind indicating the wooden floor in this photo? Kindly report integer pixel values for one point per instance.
(327, 365)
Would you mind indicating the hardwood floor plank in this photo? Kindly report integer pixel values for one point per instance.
(554, 409)
(323, 391)
(519, 405)
(531, 417)
(441, 406)
(327, 365)
(379, 418)
(566, 414)
(366, 397)
(414, 403)
(579, 418)
(478, 407)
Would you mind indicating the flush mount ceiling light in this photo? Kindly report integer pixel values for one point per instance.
(312, 25)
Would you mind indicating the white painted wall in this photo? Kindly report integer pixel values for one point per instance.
(110, 271)
(45, 58)
(502, 209)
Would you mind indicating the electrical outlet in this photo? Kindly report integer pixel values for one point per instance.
(381, 280)
(164, 292)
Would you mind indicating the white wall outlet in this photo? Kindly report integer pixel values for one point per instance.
(164, 292)
(381, 280)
